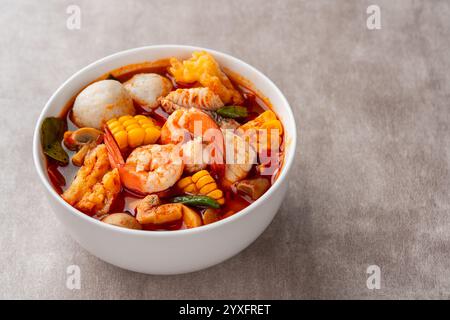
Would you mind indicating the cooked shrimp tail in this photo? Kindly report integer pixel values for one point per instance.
(115, 156)
(116, 160)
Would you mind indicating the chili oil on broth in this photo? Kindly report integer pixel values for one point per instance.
(126, 201)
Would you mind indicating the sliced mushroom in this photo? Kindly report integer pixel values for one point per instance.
(83, 140)
(123, 220)
(78, 158)
(74, 140)
(254, 188)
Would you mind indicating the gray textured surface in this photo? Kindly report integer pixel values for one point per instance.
(371, 181)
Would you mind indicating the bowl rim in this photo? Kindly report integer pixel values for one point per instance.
(288, 160)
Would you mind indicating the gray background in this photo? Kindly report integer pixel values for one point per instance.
(371, 181)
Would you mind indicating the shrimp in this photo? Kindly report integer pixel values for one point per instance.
(201, 98)
(148, 169)
(240, 157)
(195, 157)
(183, 125)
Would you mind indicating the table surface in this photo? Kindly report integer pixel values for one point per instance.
(370, 185)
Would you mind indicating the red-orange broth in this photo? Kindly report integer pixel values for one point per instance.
(62, 176)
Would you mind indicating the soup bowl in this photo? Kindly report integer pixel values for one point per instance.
(168, 252)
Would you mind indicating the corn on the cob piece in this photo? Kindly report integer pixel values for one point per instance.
(187, 185)
(202, 183)
(129, 131)
(206, 186)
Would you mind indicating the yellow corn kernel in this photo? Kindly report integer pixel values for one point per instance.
(203, 181)
(150, 126)
(199, 174)
(114, 125)
(183, 183)
(187, 185)
(147, 125)
(191, 189)
(144, 120)
(129, 122)
(151, 135)
(136, 137)
(208, 188)
(125, 118)
(111, 121)
(132, 126)
(121, 138)
(117, 129)
(141, 117)
(217, 195)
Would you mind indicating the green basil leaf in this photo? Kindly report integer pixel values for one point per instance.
(233, 112)
(52, 133)
(197, 201)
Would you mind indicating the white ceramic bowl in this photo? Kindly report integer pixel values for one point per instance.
(168, 252)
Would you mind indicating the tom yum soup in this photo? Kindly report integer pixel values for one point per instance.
(164, 145)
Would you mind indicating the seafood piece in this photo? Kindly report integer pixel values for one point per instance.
(123, 220)
(201, 98)
(101, 101)
(95, 186)
(185, 124)
(240, 157)
(146, 88)
(226, 123)
(203, 68)
(148, 203)
(148, 169)
(195, 156)
(150, 210)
